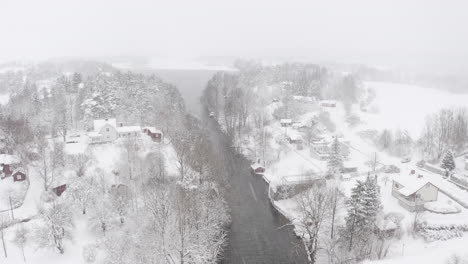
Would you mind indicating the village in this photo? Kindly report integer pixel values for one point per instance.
(417, 196)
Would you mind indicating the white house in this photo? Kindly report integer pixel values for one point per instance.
(107, 130)
(413, 190)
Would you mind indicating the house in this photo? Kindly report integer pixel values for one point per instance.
(128, 131)
(294, 137)
(413, 190)
(286, 122)
(7, 163)
(257, 169)
(19, 176)
(155, 134)
(107, 130)
(328, 103)
(59, 189)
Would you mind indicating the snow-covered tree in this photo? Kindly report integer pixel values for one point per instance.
(335, 160)
(21, 238)
(82, 192)
(363, 206)
(56, 227)
(448, 162)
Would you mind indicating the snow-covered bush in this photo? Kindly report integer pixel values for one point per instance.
(89, 253)
(391, 169)
(457, 259)
(432, 233)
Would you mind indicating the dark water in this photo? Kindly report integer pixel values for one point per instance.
(258, 234)
(190, 83)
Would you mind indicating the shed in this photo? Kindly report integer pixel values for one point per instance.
(257, 169)
(19, 176)
(59, 189)
(286, 122)
(385, 227)
(328, 103)
(155, 134)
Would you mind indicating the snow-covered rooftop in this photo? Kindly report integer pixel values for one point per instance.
(153, 130)
(256, 166)
(9, 159)
(286, 121)
(98, 124)
(385, 225)
(294, 135)
(125, 129)
(411, 182)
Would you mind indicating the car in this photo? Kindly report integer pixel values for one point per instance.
(405, 159)
(212, 114)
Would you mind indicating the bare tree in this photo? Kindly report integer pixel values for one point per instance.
(21, 238)
(80, 162)
(51, 162)
(315, 210)
(4, 222)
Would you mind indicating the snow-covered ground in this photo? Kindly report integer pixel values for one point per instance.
(406, 106)
(4, 98)
(106, 158)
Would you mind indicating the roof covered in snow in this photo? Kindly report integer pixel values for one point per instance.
(98, 124)
(9, 159)
(153, 130)
(285, 121)
(125, 129)
(385, 225)
(411, 182)
(294, 135)
(256, 166)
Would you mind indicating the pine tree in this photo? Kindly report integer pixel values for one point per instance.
(335, 160)
(448, 161)
(363, 207)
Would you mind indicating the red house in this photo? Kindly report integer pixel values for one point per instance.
(8, 162)
(19, 176)
(257, 169)
(155, 134)
(59, 189)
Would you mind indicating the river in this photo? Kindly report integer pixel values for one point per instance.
(258, 233)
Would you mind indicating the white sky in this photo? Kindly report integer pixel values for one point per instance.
(416, 33)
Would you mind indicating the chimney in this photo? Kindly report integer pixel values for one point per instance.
(120, 124)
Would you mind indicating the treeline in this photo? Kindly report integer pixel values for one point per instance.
(234, 97)
(443, 131)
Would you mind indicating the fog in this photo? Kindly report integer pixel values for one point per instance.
(419, 34)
